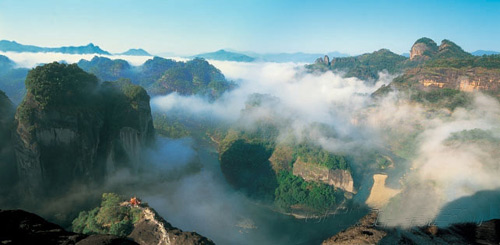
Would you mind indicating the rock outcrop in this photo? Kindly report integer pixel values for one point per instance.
(364, 232)
(71, 130)
(368, 231)
(325, 60)
(153, 229)
(423, 48)
(21, 227)
(339, 178)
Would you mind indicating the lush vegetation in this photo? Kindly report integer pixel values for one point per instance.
(97, 113)
(123, 104)
(367, 66)
(57, 84)
(169, 127)
(110, 218)
(473, 135)
(293, 190)
(162, 76)
(449, 49)
(106, 69)
(193, 77)
(486, 61)
(314, 154)
(449, 98)
(246, 166)
(428, 42)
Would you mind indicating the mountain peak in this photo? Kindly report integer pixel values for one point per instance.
(449, 49)
(423, 48)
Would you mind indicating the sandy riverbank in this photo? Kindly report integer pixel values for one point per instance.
(380, 194)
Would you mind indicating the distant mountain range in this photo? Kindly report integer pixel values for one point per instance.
(13, 46)
(484, 52)
(225, 55)
(136, 52)
(269, 57)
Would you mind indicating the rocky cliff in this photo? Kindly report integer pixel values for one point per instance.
(71, 129)
(153, 229)
(339, 178)
(367, 231)
(6, 119)
(8, 175)
(463, 79)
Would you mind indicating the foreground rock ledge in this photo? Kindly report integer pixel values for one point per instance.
(21, 227)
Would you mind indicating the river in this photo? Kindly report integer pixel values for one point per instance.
(201, 200)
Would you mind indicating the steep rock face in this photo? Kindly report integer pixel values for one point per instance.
(313, 172)
(6, 119)
(68, 126)
(423, 48)
(153, 229)
(468, 79)
(8, 174)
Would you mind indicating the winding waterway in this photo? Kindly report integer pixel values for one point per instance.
(202, 201)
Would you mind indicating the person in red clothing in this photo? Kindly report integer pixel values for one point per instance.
(134, 201)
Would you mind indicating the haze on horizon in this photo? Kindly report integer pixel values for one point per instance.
(196, 26)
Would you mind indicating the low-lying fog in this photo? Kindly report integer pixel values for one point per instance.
(185, 184)
(437, 175)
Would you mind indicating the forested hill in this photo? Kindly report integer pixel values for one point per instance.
(367, 66)
(161, 76)
(428, 67)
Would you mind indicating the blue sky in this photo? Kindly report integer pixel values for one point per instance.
(193, 26)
